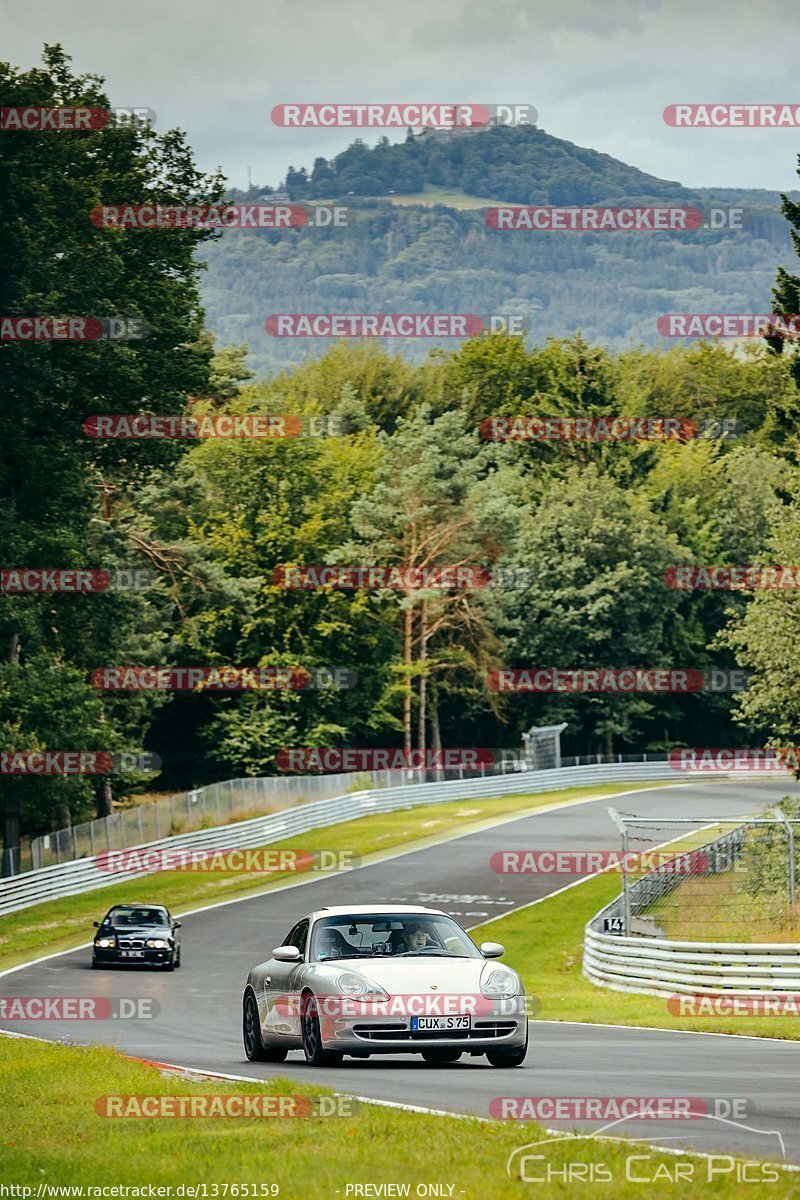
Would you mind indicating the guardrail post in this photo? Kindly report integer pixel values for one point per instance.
(792, 880)
(626, 896)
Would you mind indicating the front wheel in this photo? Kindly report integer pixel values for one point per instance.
(313, 1049)
(254, 1048)
(507, 1058)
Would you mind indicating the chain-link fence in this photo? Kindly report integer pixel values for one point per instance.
(203, 808)
(239, 799)
(222, 803)
(686, 879)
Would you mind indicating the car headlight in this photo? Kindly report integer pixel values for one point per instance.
(105, 943)
(156, 943)
(355, 985)
(499, 985)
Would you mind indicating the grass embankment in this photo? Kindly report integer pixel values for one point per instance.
(720, 909)
(66, 923)
(53, 1136)
(748, 903)
(451, 197)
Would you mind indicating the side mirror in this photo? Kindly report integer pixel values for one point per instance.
(96, 924)
(492, 949)
(287, 954)
(176, 924)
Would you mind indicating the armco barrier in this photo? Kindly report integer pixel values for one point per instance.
(83, 875)
(658, 967)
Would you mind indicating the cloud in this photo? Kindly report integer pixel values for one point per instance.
(599, 75)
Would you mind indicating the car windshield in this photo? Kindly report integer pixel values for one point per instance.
(122, 917)
(389, 934)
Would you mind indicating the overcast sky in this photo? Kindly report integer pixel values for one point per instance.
(599, 72)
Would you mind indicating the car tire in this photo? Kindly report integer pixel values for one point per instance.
(169, 965)
(95, 964)
(315, 1052)
(178, 959)
(440, 1058)
(507, 1058)
(254, 1048)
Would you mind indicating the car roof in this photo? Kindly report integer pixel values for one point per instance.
(354, 910)
(138, 904)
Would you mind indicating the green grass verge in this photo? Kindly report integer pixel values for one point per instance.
(66, 923)
(53, 1135)
(451, 197)
(545, 944)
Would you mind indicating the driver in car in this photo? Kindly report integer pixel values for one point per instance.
(415, 937)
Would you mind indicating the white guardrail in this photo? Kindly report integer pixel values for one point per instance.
(83, 875)
(654, 966)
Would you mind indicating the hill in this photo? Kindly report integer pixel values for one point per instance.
(421, 243)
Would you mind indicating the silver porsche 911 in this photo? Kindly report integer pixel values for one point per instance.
(363, 980)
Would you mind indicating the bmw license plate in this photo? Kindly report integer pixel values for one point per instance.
(131, 953)
(442, 1024)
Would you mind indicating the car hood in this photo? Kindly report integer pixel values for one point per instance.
(418, 975)
(136, 931)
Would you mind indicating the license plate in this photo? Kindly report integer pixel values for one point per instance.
(131, 953)
(440, 1023)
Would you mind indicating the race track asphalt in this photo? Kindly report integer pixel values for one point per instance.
(199, 1020)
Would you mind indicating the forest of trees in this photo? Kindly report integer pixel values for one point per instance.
(523, 165)
(595, 525)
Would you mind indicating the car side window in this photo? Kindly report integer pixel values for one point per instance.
(298, 937)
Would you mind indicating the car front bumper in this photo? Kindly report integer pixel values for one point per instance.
(147, 957)
(503, 1027)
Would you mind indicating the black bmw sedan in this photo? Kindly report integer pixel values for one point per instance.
(141, 934)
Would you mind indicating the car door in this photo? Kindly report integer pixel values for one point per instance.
(282, 1003)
